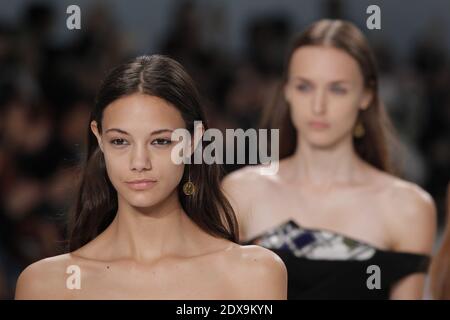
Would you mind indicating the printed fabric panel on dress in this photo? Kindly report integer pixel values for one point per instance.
(314, 244)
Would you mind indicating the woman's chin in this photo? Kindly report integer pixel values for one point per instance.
(324, 140)
(142, 200)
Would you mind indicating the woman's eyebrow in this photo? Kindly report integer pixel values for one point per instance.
(117, 130)
(152, 133)
(343, 81)
(302, 79)
(334, 81)
(161, 131)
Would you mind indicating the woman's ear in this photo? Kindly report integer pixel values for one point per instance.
(199, 130)
(94, 129)
(286, 92)
(366, 99)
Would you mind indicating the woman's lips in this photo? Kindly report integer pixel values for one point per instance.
(141, 184)
(318, 125)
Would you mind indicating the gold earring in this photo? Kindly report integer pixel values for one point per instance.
(189, 187)
(359, 130)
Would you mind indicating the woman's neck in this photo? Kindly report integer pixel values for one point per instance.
(151, 233)
(327, 167)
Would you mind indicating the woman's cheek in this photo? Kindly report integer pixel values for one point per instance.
(116, 167)
(169, 172)
(343, 117)
(298, 116)
(175, 173)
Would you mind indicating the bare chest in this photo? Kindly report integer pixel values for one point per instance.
(358, 215)
(172, 281)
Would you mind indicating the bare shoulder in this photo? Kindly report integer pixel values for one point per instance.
(410, 198)
(247, 183)
(44, 279)
(258, 273)
(411, 215)
(242, 187)
(241, 179)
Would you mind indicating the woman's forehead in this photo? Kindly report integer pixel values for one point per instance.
(140, 111)
(323, 62)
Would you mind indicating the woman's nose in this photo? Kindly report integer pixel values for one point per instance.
(319, 103)
(140, 159)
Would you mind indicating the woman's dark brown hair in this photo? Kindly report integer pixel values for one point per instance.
(343, 35)
(96, 202)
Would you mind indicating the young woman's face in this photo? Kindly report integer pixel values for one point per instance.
(136, 143)
(325, 91)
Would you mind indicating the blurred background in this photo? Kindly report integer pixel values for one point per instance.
(234, 49)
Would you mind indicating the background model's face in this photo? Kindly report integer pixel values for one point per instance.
(140, 148)
(325, 91)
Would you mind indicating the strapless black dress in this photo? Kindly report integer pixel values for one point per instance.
(323, 264)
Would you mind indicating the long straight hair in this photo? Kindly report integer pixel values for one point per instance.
(343, 35)
(96, 202)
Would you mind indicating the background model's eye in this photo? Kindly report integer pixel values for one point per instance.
(119, 142)
(161, 141)
(338, 89)
(304, 87)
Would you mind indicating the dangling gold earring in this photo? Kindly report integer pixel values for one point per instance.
(359, 130)
(189, 187)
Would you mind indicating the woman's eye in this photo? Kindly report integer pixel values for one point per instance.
(303, 87)
(161, 141)
(119, 142)
(339, 90)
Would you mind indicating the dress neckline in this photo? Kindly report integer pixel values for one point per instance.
(340, 234)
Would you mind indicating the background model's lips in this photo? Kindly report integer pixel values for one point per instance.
(318, 125)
